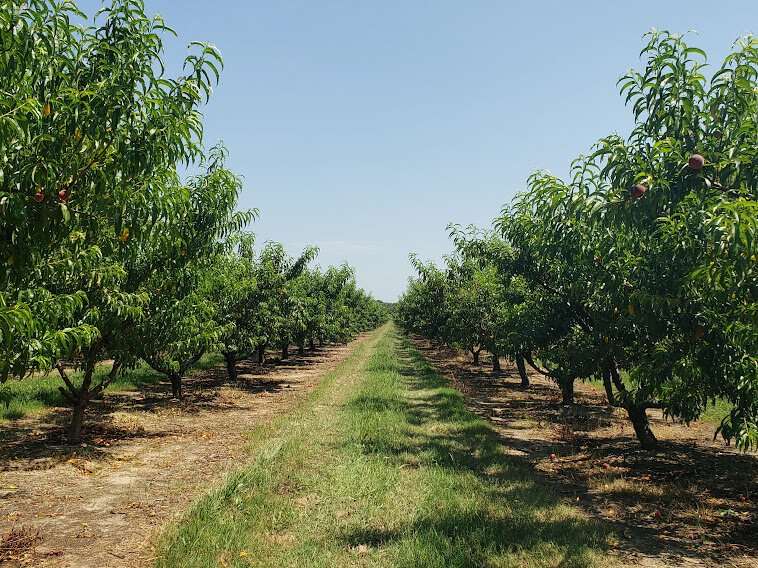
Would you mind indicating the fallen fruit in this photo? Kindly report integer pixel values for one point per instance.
(606, 466)
(696, 162)
(637, 190)
(552, 457)
(657, 514)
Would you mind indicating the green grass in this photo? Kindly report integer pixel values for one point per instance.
(382, 466)
(21, 398)
(715, 413)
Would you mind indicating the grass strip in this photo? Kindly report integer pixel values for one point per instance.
(383, 466)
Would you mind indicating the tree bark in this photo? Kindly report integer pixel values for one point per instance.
(311, 344)
(641, 423)
(521, 364)
(616, 377)
(176, 385)
(637, 412)
(80, 399)
(231, 366)
(301, 349)
(114, 371)
(567, 390)
(496, 363)
(261, 354)
(77, 421)
(608, 387)
(528, 358)
(285, 352)
(475, 355)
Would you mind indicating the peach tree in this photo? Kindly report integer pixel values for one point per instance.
(651, 245)
(91, 132)
(689, 268)
(422, 308)
(180, 322)
(252, 291)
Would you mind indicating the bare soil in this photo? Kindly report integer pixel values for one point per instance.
(145, 458)
(693, 502)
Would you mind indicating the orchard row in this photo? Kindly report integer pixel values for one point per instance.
(642, 268)
(109, 253)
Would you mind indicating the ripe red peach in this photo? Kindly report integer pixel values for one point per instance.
(696, 162)
(637, 190)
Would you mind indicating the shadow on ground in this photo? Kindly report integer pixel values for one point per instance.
(519, 514)
(689, 500)
(40, 442)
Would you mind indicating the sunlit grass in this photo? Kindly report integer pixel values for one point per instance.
(713, 414)
(384, 466)
(717, 412)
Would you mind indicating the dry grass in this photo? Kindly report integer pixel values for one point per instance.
(18, 544)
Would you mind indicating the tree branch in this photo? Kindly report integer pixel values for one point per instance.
(533, 365)
(69, 384)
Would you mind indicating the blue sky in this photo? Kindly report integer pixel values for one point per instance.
(366, 127)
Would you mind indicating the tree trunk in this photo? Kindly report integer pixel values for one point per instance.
(311, 344)
(114, 371)
(231, 366)
(301, 348)
(608, 387)
(80, 399)
(567, 390)
(77, 421)
(641, 424)
(285, 352)
(261, 354)
(637, 412)
(176, 385)
(475, 355)
(496, 363)
(521, 364)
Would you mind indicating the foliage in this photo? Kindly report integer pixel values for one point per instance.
(645, 260)
(268, 298)
(109, 251)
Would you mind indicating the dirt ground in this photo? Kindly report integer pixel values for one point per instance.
(694, 502)
(145, 458)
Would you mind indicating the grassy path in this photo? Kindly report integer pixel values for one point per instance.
(383, 466)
